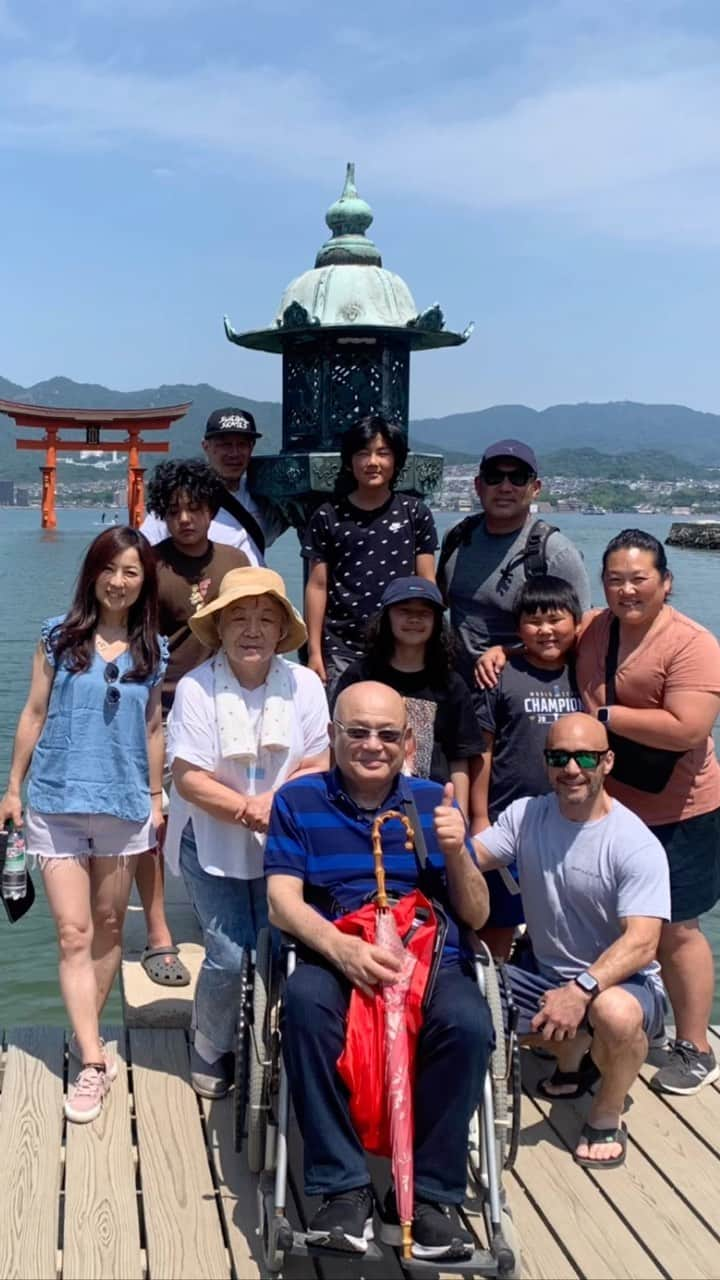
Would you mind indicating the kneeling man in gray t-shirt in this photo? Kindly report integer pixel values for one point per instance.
(596, 891)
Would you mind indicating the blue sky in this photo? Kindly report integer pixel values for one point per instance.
(549, 169)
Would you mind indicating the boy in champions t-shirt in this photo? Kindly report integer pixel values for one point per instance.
(535, 688)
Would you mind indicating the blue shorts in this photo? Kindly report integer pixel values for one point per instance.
(527, 988)
(506, 908)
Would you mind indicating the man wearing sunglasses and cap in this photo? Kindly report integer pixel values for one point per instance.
(486, 558)
(595, 885)
(244, 520)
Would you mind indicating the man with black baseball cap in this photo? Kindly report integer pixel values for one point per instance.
(245, 521)
(486, 558)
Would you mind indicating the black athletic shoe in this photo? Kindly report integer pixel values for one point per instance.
(344, 1221)
(436, 1230)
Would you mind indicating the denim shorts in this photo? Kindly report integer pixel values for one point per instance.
(527, 988)
(85, 835)
(693, 854)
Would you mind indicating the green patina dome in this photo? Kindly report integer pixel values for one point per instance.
(349, 289)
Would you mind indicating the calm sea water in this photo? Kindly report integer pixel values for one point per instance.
(37, 571)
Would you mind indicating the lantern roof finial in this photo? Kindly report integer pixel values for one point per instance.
(349, 218)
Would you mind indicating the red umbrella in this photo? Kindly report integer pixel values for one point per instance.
(397, 1051)
(382, 1029)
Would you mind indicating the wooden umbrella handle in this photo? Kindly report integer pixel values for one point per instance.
(377, 849)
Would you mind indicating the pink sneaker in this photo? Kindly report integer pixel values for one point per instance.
(86, 1096)
(111, 1067)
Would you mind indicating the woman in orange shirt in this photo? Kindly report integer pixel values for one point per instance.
(652, 675)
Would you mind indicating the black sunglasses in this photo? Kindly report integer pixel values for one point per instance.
(359, 733)
(558, 759)
(111, 675)
(518, 476)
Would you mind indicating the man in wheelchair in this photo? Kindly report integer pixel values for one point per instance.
(319, 867)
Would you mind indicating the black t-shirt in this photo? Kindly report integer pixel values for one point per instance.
(363, 551)
(441, 716)
(519, 712)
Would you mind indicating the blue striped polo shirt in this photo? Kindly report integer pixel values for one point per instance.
(319, 834)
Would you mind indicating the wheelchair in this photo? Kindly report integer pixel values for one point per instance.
(262, 1111)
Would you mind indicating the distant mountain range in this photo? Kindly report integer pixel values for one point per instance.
(575, 436)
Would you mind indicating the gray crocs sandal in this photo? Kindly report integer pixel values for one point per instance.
(174, 974)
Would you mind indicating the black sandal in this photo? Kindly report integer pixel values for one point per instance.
(583, 1079)
(592, 1135)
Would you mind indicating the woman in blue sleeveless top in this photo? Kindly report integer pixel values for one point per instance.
(91, 735)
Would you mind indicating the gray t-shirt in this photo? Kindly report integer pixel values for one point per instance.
(579, 879)
(518, 712)
(482, 586)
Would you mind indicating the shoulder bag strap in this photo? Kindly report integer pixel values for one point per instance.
(244, 518)
(611, 661)
(421, 852)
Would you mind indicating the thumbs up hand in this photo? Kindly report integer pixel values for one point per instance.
(449, 823)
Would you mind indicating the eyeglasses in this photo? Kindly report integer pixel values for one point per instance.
(359, 733)
(111, 674)
(518, 476)
(558, 759)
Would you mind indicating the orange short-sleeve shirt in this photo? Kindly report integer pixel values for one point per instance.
(677, 654)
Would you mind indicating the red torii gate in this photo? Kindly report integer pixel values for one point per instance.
(92, 422)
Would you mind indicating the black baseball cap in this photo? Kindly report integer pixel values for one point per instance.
(411, 588)
(512, 449)
(226, 422)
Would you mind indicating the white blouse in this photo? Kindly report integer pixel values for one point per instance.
(227, 848)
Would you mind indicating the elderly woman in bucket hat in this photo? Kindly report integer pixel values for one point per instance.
(243, 722)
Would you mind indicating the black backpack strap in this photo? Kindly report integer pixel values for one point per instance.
(459, 535)
(533, 556)
(244, 518)
(536, 548)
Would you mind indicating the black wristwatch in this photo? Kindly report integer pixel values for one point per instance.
(603, 715)
(589, 985)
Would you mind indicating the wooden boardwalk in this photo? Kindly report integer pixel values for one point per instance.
(154, 1189)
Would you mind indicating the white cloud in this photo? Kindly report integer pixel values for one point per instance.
(634, 155)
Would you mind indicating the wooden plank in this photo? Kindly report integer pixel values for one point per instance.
(675, 1150)
(184, 1238)
(542, 1257)
(31, 1123)
(147, 1004)
(102, 1230)
(699, 1111)
(596, 1238)
(238, 1198)
(641, 1197)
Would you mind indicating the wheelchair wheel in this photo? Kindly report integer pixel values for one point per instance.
(242, 1051)
(265, 1013)
(512, 1240)
(498, 1063)
(514, 1096)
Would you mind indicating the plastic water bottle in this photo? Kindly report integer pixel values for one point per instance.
(14, 876)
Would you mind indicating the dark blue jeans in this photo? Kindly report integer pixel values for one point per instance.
(453, 1051)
